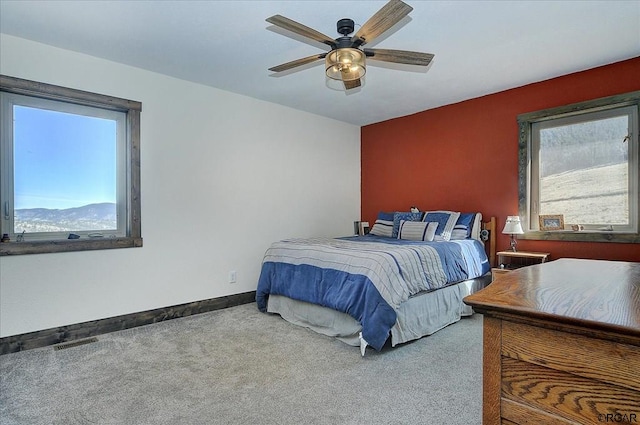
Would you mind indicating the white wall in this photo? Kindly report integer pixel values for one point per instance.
(223, 176)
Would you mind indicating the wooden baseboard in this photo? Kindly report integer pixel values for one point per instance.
(43, 338)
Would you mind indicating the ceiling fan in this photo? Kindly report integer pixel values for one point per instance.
(346, 61)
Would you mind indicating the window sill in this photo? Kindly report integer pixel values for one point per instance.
(67, 245)
(582, 236)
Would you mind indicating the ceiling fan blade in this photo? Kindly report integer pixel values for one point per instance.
(399, 56)
(297, 62)
(385, 18)
(351, 84)
(303, 30)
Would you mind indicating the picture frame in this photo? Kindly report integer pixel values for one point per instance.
(364, 228)
(361, 228)
(551, 222)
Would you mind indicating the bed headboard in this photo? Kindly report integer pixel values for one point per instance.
(490, 226)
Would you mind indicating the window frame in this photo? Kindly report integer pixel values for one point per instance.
(132, 110)
(525, 140)
(9, 101)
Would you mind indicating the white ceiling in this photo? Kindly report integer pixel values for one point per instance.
(480, 47)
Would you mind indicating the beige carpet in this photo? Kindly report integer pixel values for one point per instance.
(240, 366)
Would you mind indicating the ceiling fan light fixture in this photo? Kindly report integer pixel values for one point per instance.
(345, 64)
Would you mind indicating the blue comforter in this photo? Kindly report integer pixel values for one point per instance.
(367, 277)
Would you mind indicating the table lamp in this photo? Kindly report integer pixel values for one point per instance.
(513, 227)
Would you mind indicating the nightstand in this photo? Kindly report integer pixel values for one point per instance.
(511, 260)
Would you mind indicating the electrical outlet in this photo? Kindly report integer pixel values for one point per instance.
(232, 276)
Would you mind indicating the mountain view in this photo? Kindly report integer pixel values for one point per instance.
(87, 217)
(591, 195)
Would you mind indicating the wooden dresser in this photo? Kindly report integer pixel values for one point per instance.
(562, 344)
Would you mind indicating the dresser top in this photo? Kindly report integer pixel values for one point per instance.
(593, 294)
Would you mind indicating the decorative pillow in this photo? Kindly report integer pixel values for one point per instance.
(446, 221)
(417, 230)
(476, 227)
(383, 225)
(408, 216)
(462, 229)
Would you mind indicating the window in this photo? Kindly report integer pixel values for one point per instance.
(69, 176)
(581, 162)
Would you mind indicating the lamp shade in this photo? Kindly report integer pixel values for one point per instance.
(513, 226)
(346, 64)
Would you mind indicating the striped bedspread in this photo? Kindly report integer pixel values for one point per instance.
(367, 277)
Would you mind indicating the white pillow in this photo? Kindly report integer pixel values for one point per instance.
(477, 227)
(382, 228)
(417, 230)
(446, 221)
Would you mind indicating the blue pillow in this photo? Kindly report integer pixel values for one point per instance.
(385, 216)
(407, 216)
(463, 227)
(446, 221)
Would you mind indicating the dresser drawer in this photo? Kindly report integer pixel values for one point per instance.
(554, 377)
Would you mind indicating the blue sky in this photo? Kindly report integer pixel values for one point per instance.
(62, 160)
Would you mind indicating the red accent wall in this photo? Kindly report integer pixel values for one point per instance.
(464, 156)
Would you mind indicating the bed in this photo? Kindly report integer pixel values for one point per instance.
(404, 280)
